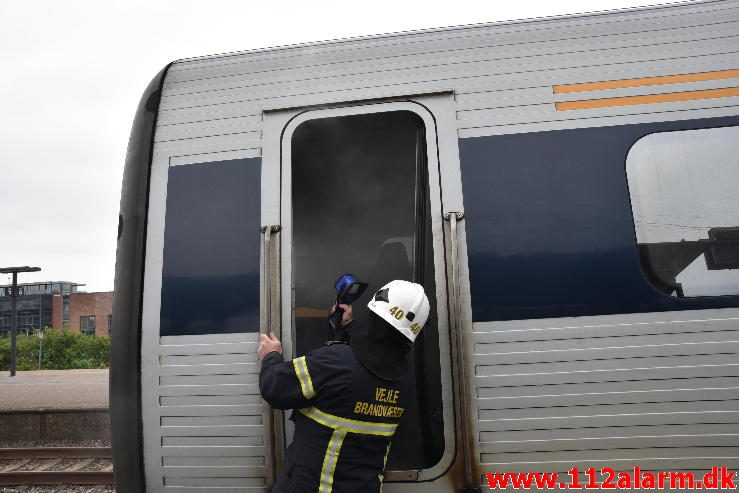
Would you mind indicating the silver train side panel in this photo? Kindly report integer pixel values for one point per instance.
(654, 390)
(613, 375)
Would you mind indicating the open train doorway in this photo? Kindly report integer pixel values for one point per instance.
(360, 203)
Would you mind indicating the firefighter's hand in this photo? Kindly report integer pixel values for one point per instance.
(348, 315)
(267, 344)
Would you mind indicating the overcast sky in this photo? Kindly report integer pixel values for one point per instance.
(71, 75)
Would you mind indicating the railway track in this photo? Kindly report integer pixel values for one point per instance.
(56, 466)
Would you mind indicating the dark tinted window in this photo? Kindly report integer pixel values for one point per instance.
(34, 312)
(210, 278)
(550, 230)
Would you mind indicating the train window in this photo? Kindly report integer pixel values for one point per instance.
(210, 276)
(360, 205)
(684, 198)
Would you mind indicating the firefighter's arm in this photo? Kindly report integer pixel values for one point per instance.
(282, 384)
(293, 384)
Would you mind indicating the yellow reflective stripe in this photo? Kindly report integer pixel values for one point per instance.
(381, 477)
(330, 460)
(349, 425)
(306, 384)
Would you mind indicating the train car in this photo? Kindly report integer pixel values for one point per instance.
(564, 188)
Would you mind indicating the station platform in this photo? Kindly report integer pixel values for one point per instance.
(54, 406)
(54, 389)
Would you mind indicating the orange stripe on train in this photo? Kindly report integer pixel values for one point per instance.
(647, 99)
(647, 81)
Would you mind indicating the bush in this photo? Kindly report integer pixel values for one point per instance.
(62, 350)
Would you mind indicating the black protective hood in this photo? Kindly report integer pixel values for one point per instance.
(380, 348)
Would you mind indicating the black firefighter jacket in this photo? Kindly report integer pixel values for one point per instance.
(344, 415)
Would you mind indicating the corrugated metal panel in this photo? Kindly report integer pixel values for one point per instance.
(659, 391)
(458, 76)
(475, 56)
(559, 28)
(213, 369)
(502, 74)
(213, 347)
(203, 129)
(210, 414)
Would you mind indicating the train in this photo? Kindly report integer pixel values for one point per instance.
(564, 188)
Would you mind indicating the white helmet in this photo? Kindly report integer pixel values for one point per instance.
(403, 305)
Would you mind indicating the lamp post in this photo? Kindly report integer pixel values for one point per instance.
(14, 317)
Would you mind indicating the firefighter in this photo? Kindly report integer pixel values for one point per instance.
(347, 399)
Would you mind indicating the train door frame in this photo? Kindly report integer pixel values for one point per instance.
(437, 113)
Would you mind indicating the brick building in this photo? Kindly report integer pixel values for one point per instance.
(89, 312)
(58, 305)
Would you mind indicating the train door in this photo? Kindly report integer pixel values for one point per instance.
(359, 190)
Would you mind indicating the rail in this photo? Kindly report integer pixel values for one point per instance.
(464, 404)
(272, 418)
(31, 466)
